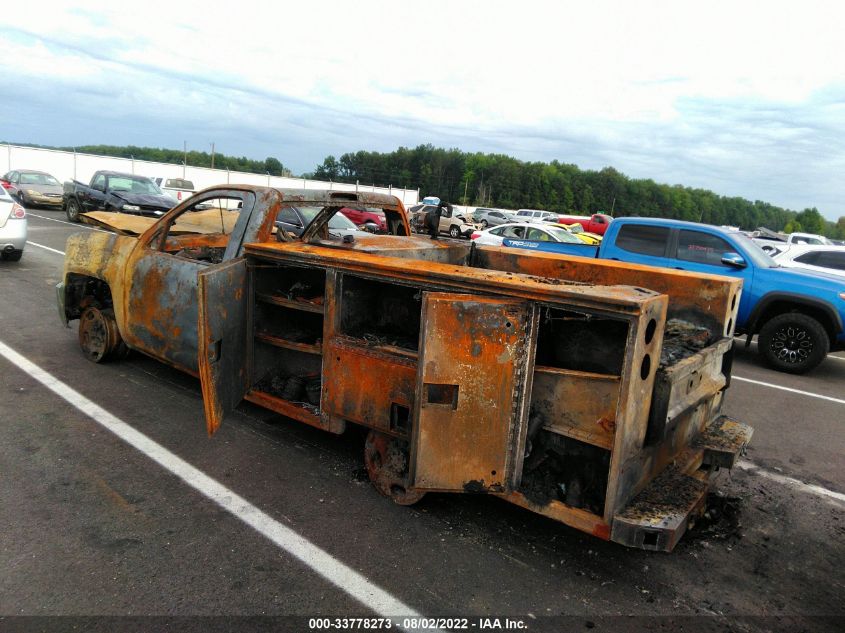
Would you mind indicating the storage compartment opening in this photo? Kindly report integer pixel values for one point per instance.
(307, 285)
(380, 313)
(570, 340)
(559, 468)
(288, 374)
(289, 324)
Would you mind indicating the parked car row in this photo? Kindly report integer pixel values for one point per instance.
(527, 231)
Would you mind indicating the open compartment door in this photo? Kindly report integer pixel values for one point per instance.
(222, 329)
(470, 410)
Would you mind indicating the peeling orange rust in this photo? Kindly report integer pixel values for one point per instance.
(534, 377)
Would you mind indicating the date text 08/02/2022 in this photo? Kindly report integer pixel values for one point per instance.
(417, 624)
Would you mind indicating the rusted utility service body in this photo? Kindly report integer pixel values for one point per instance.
(585, 390)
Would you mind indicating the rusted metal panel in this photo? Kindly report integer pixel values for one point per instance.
(368, 387)
(222, 328)
(642, 357)
(577, 404)
(471, 369)
(709, 300)
(202, 222)
(162, 307)
(612, 299)
(575, 517)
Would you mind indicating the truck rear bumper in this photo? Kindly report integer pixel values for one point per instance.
(660, 514)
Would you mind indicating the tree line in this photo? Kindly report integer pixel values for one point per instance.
(498, 180)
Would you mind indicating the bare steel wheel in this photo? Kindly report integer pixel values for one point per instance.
(386, 458)
(99, 337)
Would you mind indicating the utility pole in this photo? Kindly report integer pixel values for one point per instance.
(185, 161)
(212, 155)
(466, 184)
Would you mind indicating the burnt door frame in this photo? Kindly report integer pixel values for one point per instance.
(161, 302)
(474, 379)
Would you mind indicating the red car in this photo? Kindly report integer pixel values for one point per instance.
(368, 219)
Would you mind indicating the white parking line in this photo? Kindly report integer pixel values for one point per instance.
(76, 224)
(789, 389)
(317, 559)
(46, 248)
(789, 481)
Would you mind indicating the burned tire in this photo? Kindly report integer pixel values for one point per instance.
(793, 343)
(454, 231)
(386, 458)
(99, 337)
(72, 210)
(12, 256)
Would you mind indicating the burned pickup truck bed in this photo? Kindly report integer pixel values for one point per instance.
(585, 390)
(486, 372)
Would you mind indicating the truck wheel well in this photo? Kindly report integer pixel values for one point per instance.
(783, 307)
(81, 291)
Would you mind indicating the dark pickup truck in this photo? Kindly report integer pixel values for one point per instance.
(114, 191)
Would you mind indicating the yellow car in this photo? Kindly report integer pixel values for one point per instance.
(593, 239)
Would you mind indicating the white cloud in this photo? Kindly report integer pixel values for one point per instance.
(648, 85)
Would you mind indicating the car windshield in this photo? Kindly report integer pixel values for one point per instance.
(756, 254)
(133, 185)
(562, 235)
(38, 179)
(338, 220)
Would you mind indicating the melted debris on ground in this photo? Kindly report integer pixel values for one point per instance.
(721, 520)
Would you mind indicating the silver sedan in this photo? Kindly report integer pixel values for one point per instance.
(12, 227)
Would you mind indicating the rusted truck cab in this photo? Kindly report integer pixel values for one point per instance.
(580, 389)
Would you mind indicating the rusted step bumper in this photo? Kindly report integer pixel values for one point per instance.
(659, 515)
(723, 441)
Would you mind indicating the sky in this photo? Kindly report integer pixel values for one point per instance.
(742, 98)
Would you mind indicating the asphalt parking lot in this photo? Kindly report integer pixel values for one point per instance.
(114, 502)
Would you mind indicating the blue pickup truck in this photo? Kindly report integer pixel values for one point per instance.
(798, 316)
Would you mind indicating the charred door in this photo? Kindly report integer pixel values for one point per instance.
(469, 410)
(222, 329)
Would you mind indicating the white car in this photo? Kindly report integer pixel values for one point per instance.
(177, 188)
(523, 231)
(822, 259)
(534, 215)
(12, 227)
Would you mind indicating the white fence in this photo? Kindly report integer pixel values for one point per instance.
(76, 166)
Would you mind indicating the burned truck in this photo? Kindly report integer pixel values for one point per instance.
(584, 390)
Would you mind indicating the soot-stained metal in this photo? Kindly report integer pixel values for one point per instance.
(585, 390)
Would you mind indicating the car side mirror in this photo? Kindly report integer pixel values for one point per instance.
(733, 259)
